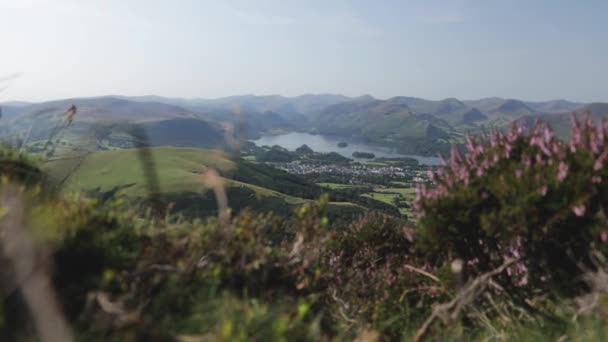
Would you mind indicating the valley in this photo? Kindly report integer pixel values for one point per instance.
(398, 126)
(276, 186)
(272, 152)
(327, 144)
(267, 184)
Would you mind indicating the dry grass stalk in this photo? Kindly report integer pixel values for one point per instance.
(213, 180)
(32, 277)
(448, 312)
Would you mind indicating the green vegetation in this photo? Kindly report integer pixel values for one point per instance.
(519, 196)
(397, 183)
(405, 192)
(103, 120)
(364, 155)
(278, 154)
(392, 199)
(304, 150)
(122, 276)
(401, 198)
(374, 163)
(179, 175)
(382, 197)
(399, 161)
(277, 180)
(411, 125)
(510, 244)
(178, 169)
(337, 186)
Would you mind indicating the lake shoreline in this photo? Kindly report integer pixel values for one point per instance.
(328, 143)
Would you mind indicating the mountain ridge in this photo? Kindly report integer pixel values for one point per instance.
(397, 121)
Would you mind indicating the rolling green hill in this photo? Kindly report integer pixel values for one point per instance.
(555, 106)
(110, 120)
(399, 122)
(420, 126)
(179, 169)
(561, 123)
(411, 125)
(256, 114)
(371, 118)
(179, 180)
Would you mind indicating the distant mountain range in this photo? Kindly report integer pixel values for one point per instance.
(410, 124)
(110, 121)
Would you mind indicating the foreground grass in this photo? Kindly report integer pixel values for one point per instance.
(121, 275)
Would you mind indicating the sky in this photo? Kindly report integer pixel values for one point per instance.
(468, 49)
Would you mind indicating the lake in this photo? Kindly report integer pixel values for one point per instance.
(327, 143)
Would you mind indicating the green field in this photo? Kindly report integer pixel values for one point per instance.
(346, 204)
(382, 197)
(179, 170)
(387, 195)
(405, 192)
(337, 186)
(264, 192)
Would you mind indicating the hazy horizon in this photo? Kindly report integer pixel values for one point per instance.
(5, 100)
(465, 49)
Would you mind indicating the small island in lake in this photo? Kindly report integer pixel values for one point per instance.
(365, 155)
(342, 144)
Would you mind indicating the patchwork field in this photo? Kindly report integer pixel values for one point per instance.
(393, 195)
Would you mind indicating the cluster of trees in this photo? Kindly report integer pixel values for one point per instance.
(278, 154)
(400, 161)
(275, 154)
(364, 155)
(423, 146)
(275, 179)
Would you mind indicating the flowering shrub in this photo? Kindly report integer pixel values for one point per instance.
(521, 194)
(373, 274)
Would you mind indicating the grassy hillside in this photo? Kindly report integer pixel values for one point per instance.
(411, 125)
(106, 109)
(179, 169)
(372, 118)
(561, 123)
(555, 106)
(110, 121)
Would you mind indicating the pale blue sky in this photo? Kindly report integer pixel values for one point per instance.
(534, 50)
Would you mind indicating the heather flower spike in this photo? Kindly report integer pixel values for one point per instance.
(537, 154)
(579, 210)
